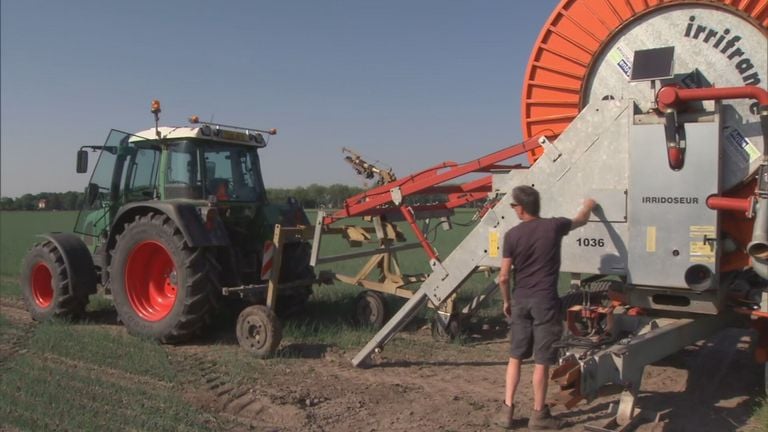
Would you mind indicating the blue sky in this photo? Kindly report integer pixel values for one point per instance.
(408, 83)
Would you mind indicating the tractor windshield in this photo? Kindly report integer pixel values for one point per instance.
(199, 169)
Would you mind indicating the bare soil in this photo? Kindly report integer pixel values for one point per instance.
(711, 386)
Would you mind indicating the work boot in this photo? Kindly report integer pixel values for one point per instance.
(504, 416)
(543, 420)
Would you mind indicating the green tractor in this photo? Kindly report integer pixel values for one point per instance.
(176, 221)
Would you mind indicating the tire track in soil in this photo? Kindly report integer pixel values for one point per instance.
(15, 341)
(237, 401)
(417, 397)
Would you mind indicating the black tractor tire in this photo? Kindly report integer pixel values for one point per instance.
(259, 331)
(162, 287)
(371, 309)
(57, 278)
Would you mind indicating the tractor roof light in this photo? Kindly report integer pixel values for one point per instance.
(194, 119)
(155, 107)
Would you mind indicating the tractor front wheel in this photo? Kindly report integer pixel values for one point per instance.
(56, 279)
(162, 287)
(259, 331)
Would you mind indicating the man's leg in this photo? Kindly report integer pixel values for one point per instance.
(540, 377)
(513, 378)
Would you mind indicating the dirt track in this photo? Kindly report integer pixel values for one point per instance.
(708, 387)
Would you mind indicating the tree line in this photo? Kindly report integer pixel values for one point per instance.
(312, 196)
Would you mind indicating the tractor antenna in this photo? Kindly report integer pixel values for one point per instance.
(156, 111)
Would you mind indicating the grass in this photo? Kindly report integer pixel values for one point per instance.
(19, 230)
(75, 377)
(40, 394)
(760, 419)
(104, 349)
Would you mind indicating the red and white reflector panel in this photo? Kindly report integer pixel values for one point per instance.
(269, 254)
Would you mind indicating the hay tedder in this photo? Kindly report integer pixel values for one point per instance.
(656, 109)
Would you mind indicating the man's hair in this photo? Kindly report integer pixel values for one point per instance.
(528, 198)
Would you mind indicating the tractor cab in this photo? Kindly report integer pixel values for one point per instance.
(202, 165)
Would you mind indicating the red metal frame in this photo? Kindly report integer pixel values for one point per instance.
(379, 200)
(672, 97)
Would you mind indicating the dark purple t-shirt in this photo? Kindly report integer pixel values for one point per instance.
(534, 247)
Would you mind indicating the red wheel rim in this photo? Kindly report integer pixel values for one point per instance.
(151, 281)
(42, 285)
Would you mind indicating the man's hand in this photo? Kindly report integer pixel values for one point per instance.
(507, 308)
(582, 214)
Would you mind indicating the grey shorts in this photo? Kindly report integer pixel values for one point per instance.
(535, 325)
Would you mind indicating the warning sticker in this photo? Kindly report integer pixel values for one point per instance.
(702, 246)
(621, 58)
(650, 239)
(493, 244)
(739, 147)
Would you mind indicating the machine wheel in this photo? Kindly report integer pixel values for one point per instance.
(162, 287)
(449, 332)
(57, 278)
(370, 309)
(259, 331)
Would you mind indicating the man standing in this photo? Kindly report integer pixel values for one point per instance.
(533, 248)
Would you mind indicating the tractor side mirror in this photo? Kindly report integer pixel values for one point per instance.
(82, 161)
(91, 193)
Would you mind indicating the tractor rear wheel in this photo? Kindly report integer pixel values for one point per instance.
(57, 280)
(163, 288)
(259, 331)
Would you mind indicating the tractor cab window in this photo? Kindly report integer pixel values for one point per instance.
(140, 174)
(182, 178)
(232, 173)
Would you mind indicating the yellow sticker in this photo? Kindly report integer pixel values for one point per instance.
(700, 259)
(701, 246)
(701, 249)
(650, 239)
(702, 230)
(493, 244)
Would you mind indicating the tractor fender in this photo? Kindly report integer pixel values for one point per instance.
(186, 216)
(77, 259)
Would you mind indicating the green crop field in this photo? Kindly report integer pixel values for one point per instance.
(18, 231)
